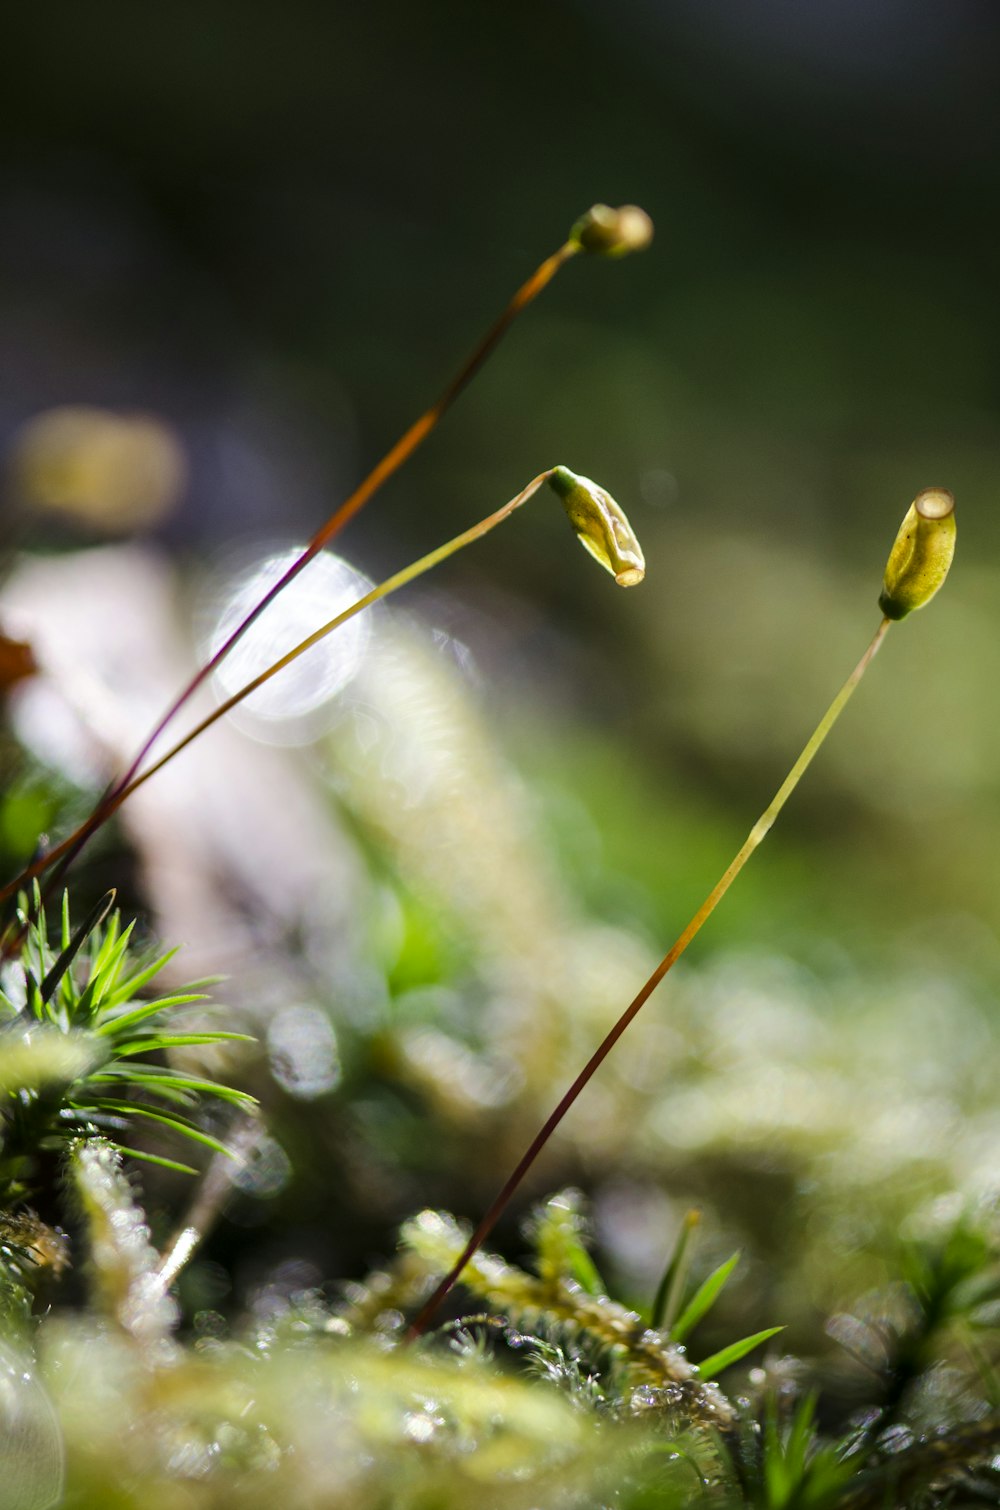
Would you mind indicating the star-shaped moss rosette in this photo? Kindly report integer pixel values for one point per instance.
(83, 1053)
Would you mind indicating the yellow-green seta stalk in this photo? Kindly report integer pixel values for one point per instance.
(917, 567)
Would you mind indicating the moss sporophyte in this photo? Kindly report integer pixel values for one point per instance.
(601, 232)
(918, 564)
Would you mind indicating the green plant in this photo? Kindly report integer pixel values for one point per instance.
(645, 1355)
(557, 1393)
(76, 1036)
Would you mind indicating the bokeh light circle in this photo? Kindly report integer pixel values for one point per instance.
(284, 709)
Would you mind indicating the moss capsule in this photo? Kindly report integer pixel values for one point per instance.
(613, 233)
(921, 555)
(601, 526)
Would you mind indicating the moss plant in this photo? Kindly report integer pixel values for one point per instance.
(552, 1391)
(76, 1034)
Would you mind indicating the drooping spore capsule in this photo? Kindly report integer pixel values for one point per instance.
(605, 232)
(921, 555)
(601, 526)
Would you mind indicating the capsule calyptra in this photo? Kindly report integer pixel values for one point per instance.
(921, 555)
(601, 526)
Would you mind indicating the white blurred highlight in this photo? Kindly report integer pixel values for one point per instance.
(288, 709)
(302, 1046)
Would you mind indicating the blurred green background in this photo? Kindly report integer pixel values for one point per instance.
(278, 228)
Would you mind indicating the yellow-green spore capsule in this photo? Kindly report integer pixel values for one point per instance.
(605, 232)
(601, 526)
(919, 560)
